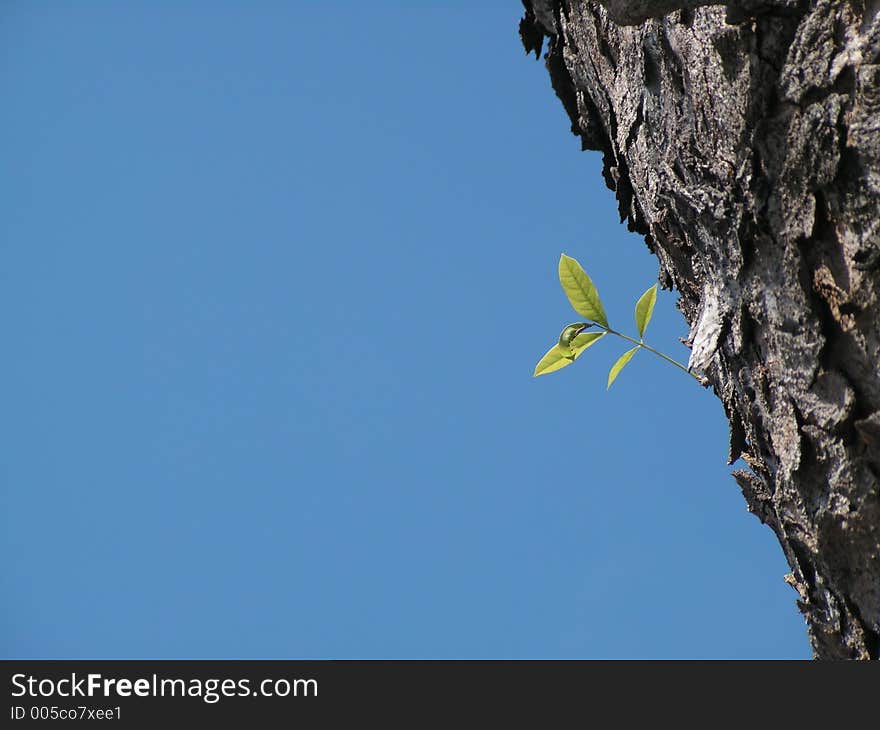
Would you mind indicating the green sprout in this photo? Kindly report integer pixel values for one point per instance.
(574, 340)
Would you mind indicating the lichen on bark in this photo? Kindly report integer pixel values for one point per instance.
(743, 141)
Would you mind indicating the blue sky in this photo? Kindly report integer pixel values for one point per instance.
(275, 277)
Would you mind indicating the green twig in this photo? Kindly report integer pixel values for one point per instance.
(638, 343)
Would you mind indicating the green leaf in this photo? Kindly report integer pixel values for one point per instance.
(555, 359)
(618, 366)
(645, 308)
(569, 333)
(583, 341)
(580, 291)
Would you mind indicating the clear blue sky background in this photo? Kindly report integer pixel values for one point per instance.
(274, 279)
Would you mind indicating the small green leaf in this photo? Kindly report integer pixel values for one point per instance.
(618, 366)
(569, 333)
(645, 308)
(580, 290)
(583, 341)
(555, 359)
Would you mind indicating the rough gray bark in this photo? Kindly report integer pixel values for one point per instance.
(743, 141)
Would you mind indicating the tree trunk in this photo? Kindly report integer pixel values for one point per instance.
(743, 141)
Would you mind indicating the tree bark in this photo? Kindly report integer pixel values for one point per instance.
(743, 141)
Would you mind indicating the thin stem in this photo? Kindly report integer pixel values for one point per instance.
(656, 352)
